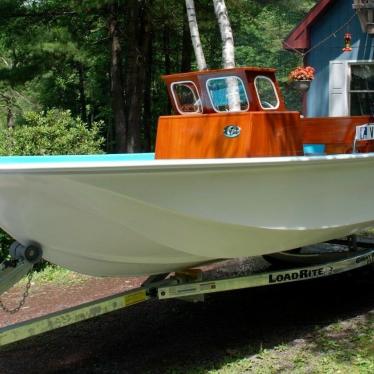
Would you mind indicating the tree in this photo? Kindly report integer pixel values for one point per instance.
(17, 66)
(228, 53)
(116, 84)
(228, 49)
(46, 56)
(8, 101)
(195, 35)
(138, 41)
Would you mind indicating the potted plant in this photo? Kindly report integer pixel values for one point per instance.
(301, 77)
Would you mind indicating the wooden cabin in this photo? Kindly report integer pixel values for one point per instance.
(240, 112)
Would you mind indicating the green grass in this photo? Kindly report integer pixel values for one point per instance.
(56, 275)
(59, 275)
(340, 348)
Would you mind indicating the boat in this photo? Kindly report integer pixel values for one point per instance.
(221, 184)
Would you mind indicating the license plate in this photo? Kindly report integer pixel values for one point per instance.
(365, 132)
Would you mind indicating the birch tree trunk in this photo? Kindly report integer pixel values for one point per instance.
(228, 52)
(195, 36)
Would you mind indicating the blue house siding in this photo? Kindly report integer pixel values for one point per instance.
(362, 45)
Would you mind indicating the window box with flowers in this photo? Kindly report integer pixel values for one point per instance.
(301, 77)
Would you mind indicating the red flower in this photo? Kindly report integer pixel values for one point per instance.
(302, 73)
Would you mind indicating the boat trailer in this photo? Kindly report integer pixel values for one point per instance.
(188, 285)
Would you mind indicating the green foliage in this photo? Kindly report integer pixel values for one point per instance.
(259, 33)
(60, 55)
(5, 242)
(53, 133)
(58, 275)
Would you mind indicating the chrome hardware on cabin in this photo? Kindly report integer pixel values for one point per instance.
(231, 131)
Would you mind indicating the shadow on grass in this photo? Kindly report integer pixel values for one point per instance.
(347, 344)
(179, 337)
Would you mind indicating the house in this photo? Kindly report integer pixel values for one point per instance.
(344, 80)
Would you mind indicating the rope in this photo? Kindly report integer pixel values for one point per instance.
(333, 34)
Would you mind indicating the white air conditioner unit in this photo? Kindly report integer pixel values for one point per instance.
(365, 11)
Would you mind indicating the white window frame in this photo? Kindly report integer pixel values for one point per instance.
(274, 89)
(211, 100)
(349, 80)
(344, 109)
(198, 98)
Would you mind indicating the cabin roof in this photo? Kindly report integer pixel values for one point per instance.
(192, 93)
(218, 71)
(299, 37)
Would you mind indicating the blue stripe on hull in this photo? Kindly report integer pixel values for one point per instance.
(77, 158)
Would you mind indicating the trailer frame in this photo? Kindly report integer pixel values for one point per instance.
(188, 285)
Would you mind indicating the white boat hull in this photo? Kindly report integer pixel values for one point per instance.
(109, 218)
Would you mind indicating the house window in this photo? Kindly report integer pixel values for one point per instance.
(218, 90)
(361, 90)
(186, 97)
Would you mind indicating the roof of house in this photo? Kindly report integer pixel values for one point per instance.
(299, 38)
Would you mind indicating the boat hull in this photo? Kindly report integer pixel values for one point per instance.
(116, 217)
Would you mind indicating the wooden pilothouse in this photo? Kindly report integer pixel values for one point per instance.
(207, 125)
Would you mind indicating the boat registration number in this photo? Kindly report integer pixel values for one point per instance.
(365, 132)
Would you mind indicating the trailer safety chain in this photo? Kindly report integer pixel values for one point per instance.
(24, 297)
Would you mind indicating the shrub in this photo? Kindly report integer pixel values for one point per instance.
(52, 133)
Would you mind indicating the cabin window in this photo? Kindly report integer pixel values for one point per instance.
(266, 93)
(361, 93)
(186, 97)
(227, 94)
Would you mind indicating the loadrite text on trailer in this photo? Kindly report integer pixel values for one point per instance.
(300, 274)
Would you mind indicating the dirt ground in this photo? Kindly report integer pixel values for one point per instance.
(156, 336)
(48, 298)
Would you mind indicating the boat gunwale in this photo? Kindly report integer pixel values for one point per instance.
(175, 164)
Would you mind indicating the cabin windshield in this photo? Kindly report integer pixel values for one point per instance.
(186, 97)
(218, 90)
(267, 95)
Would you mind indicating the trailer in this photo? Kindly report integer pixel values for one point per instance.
(188, 285)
